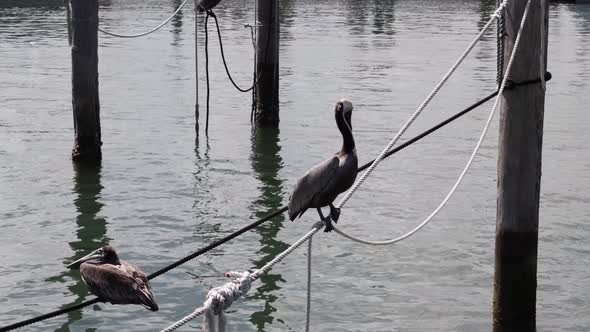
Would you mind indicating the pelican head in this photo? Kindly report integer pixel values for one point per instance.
(104, 255)
(344, 106)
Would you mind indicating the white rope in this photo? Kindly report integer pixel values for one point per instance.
(308, 306)
(198, 312)
(469, 162)
(221, 298)
(149, 31)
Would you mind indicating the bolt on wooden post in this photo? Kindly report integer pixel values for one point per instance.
(85, 100)
(267, 63)
(519, 172)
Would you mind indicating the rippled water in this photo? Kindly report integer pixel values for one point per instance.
(160, 194)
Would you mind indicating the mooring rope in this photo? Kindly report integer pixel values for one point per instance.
(471, 158)
(207, 72)
(221, 298)
(119, 35)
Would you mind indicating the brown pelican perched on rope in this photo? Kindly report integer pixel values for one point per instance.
(321, 185)
(114, 280)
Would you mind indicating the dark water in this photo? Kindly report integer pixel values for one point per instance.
(159, 195)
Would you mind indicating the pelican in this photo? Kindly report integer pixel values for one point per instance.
(207, 5)
(114, 280)
(320, 186)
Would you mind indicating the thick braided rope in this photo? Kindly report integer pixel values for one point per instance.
(220, 298)
(198, 312)
(422, 106)
(499, 46)
(149, 31)
(476, 149)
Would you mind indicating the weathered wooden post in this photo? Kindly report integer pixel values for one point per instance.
(196, 68)
(267, 63)
(519, 172)
(85, 81)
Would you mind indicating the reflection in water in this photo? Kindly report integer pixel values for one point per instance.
(486, 8)
(383, 17)
(267, 162)
(91, 231)
(176, 23)
(201, 187)
(357, 16)
(381, 11)
(485, 51)
(32, 3)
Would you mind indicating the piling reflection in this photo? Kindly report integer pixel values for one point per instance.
(176, 23)
(485, 51)
(266, 163)
(201, 187)
(383, 17)
(91, 232)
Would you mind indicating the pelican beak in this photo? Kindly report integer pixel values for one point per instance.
(96, 254)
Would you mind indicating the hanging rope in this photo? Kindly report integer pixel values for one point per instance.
(225, 62)
(119, 35)
(469, 162)
(196, 70)
(207, 70)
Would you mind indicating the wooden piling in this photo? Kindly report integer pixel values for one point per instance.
(196, 68)
(519, 173)
(85, 100)
(267, 63)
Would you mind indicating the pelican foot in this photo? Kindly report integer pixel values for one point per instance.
(334, 213)
(329, 226)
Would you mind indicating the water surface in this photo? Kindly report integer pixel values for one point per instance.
(159, 194)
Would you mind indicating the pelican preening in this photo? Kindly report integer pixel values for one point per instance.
(206, 5)
(114, 280)
(321, 185)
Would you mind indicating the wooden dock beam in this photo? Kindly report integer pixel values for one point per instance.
(519, 173)
(267, 63)
(85, 100)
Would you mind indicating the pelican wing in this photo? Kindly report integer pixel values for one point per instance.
(312, 184)
(119, 284)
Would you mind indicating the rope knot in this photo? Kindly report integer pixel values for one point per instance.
(498, 11)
